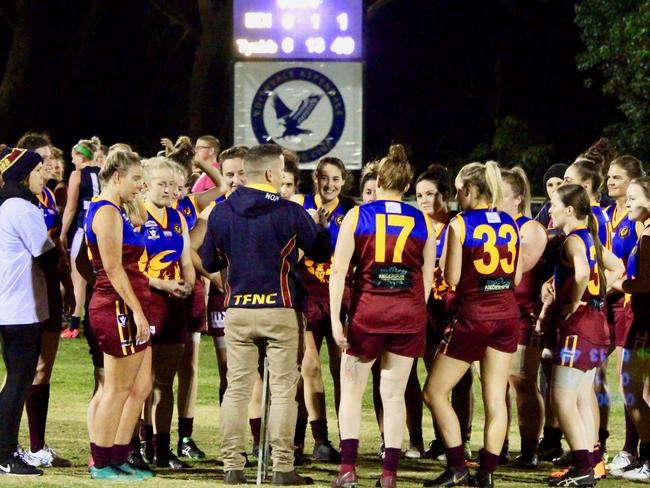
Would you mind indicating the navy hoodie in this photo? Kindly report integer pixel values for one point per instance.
(257, 234)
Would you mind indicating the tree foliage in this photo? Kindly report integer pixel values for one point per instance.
(616, 34)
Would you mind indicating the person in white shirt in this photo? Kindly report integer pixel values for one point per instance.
(26, 252)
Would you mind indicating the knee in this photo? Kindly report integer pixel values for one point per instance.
(140, 392)
(434, 396)
(311, 368)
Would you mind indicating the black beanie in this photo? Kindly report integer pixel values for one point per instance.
(555, 171)
(16, 164)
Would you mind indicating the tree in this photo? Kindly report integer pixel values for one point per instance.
(616, 34)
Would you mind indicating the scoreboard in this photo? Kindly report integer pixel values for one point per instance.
(298, 29)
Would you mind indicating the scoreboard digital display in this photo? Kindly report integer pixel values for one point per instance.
(298, 29)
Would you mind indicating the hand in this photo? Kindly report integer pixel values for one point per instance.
(69, 301)
(569, 309)
(548, 293)
(167, 144)
(339, 336)
(186, 288)
(175, 288)
(142, 328)
(64, 241)
(322, 217)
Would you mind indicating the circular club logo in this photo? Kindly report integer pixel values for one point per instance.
(300, 109)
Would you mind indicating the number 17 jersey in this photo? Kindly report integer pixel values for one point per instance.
(490, 243)
(388, 291)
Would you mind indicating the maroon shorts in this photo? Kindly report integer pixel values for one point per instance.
(317, 316)
(370, 345)
(196, 304)
(578, 352)
(168, 319)
(467, 339)
(113, 327)
(54, 323)
(619, 322)
(436, 321)
(94, 350)
(527, 335)
(216, 314)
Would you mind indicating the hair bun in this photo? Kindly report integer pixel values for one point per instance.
(397, 153)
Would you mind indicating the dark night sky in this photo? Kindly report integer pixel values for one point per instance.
(438, 76)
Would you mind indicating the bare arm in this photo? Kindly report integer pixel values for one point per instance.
(340, 266)
(205, 198)
(576, 254)
(429, 264)
(533, 243)
(454, 255)
(70, 205)
(614, 270)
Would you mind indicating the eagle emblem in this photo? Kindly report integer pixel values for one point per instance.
(292, 119)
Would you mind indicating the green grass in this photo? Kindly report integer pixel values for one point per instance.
(72, 384)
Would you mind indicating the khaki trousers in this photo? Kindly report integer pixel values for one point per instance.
(281, 330)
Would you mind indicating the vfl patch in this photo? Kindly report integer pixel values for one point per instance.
(153, 234)
(277, 117)
(123, 320)
(393, 277)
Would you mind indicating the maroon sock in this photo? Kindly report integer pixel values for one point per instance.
(36, 405)
(349, 450)
(135, 444)
(456, 458)
(488, 461)
(319, 431)
(102, 456)
(582, 460)
(120, 454)
(552, 437)
(596, 455)
(631, 436)
(161, 445)
(391, 461)
(185, 427)
(256, 426)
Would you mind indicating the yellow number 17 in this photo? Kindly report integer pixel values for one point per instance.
(406, 223)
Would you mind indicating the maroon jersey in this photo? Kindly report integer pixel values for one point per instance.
(388, 293)
(490, 245)
(527, 292)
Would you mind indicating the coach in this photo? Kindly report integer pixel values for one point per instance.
(257, 235)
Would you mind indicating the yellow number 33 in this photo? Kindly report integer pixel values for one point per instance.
(490, 261)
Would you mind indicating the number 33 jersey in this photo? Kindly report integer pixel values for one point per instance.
(490, 243)
(388, 294)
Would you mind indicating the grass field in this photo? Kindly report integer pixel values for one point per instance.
(72, 385)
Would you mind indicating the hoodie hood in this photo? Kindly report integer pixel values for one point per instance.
(253, 200)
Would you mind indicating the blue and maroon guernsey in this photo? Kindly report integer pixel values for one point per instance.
(164, 244)
(527, 292)
(187, 207)
(134, 257)
(639, 303)
(47, 204)
(316, 276)
(388, 293)
(490, 246)
(604, 225)
(624, 233)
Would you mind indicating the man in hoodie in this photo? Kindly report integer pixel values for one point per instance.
(259, 233)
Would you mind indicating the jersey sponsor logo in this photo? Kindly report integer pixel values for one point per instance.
(150, 223)
(392, 277)
(167, 233)
(281, 117)
(256, 299)
(496, 284)
(217, 320)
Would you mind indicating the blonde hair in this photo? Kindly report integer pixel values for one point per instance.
(91, 145)
(394, 171)
(486, 178)
(154, 164)
(518, 181)
(118, 162)
(119, 146)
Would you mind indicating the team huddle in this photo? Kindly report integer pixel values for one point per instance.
(531, 307)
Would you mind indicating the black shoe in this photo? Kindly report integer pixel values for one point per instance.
(137, 461)
(527, 462)
(504, 456)
(169, 460)
(147, 451)
(574, 478)
(482, 478)
(450, 477)
(324, 451)
(346, 480)
(290, 478)
(435, 450)
(14, 466)
(234, 477)
(299, 458)
(187, 448)
(548, 453)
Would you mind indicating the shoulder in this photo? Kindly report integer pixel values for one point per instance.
(19, 207)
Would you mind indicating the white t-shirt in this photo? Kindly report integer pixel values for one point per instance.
(23, 236)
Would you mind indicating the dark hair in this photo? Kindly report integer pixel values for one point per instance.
(439, 176)
(33, 140)
(576, 196)
(368, 173)
(333, 162)
(600, 152)
(589, 171)
(212, 141)
(237, 152)
(518, 181)
(395, 172)
(631, 165)
(183, 153)
(258, 154)
(291, 165)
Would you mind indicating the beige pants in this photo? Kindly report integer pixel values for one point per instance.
(281, 330)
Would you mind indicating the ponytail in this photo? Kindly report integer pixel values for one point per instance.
(592, 225)
(494, 182)
(518, 181)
